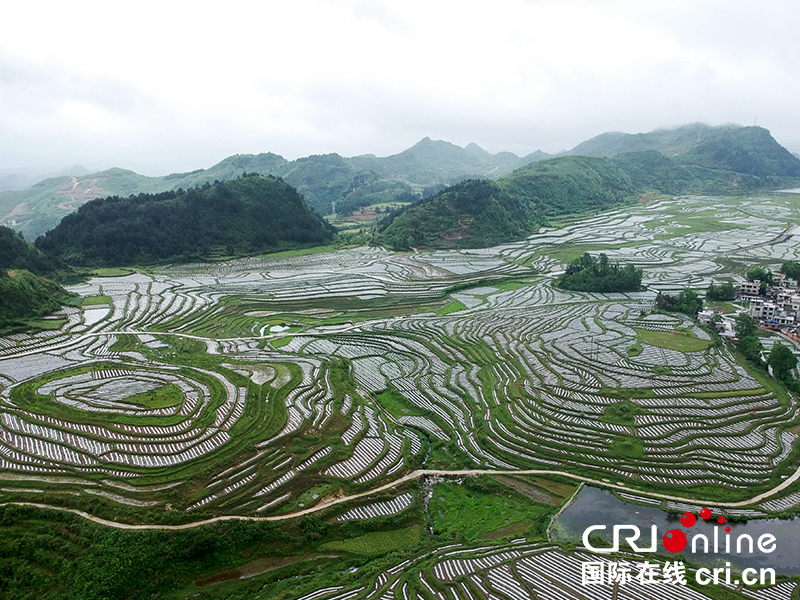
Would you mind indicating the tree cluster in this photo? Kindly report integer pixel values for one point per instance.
(722, 292)
(248, 215)
(791, 269)
(16, 253)
(686, 302)
(590, 274)
(747, 333)
(759, 274)
(783, 362)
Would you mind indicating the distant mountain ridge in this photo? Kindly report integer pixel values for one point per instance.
(322, 179)
(485, 213)
(331, 182)
(747, 150)
(480, 213)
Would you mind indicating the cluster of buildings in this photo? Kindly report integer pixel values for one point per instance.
(778, 309)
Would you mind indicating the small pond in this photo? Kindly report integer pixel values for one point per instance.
(594, 506)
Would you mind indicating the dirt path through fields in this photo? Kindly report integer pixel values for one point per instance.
(410, 477)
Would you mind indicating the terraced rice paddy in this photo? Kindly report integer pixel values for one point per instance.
(518, 571)
(252, 387)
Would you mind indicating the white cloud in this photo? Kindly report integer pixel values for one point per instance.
(182, 85)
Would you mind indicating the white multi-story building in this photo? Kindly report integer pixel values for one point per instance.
(748, 288)
(771, 312)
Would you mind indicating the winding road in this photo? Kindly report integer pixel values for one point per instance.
(410, 477)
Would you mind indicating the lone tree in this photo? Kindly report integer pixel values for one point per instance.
(749, 344)
(783, 361)
(791, 269)
(744, 325)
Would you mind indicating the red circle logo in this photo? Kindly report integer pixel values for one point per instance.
(720, 520)
(706, 513)
(675, 540)
(688, 519)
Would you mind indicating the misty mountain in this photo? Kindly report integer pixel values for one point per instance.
(434, 161)
(322, 179)
(730, 155)
(479, 213)
(746, 150)
(23, 179)
(484, 213)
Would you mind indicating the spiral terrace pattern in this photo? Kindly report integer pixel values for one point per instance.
(522, 376)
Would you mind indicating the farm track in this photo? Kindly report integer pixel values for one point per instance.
(411, 477)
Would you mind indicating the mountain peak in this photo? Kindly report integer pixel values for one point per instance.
(476, 150)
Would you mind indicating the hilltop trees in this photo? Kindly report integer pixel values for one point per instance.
(25, 296)
(791, 269)
(248, 215)
(590, 274)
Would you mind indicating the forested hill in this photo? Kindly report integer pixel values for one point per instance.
(482, 213)
(248, 215)
(746, 150)
(16, 253)
(24, 294)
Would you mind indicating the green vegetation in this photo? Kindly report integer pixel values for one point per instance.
(78, 559)
(16, 253)
(249, 215)
(791, 269)
(96, 300)
(721, 293)
(452, 307)
(761, 274)
(590, 274)
(686, 302)
(622, 413)
(281, 342)
(481, 507)
(783, 362)
(683, 341)
(378, 542)
(396, 404)
(25, 296)
(482, 213)
(164, 397)
(626, 447)
(749, 344)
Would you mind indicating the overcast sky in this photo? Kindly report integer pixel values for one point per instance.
(173, 86)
